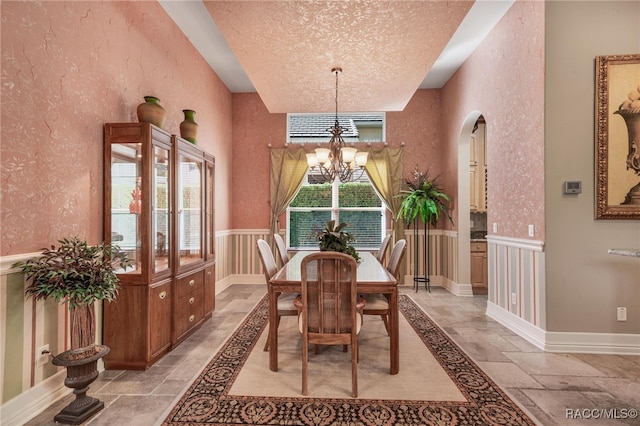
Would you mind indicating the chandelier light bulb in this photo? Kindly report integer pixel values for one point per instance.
(312, 159)
(348, 155)
(361, 158)
(322, 154)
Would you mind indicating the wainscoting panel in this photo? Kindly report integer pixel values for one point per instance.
(26, 325)
(516, 277)
(442, 250)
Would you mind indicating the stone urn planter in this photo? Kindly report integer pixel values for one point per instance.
(82, 370)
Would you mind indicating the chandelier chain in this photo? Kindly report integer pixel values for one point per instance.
(335, 163)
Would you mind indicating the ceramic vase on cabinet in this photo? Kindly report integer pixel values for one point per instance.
(150, 111)
(189, 128)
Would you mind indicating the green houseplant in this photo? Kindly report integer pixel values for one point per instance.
(80, 275)
(333, 238)
(423, 199)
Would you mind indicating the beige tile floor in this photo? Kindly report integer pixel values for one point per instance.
(546, 385)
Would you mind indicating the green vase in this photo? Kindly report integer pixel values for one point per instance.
(150, 111)
(189, 128)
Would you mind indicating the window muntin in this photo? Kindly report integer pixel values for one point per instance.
(355, 203)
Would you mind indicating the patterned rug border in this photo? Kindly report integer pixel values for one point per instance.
(207, 402)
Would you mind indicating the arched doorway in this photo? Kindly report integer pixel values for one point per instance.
(464, 287)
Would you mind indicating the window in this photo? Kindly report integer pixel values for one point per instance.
(354, 202)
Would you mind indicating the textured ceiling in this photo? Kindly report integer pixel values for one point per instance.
(385, 48)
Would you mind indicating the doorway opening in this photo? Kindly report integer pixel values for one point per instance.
(478, 208)
(464, 286)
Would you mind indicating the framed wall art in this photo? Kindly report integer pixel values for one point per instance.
(617, 151)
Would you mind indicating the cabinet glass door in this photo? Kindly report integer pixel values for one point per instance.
(160, 205)
(126, 201)
(189, 210)
(209, 212)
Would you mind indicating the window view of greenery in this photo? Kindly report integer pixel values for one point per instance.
(355, 203)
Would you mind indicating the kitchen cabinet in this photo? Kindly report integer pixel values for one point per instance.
(479, 264)
(478, 170)
(159, 208)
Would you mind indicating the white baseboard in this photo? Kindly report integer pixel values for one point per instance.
(239, 279)
(593, 343)
(462, 290)
(566, 342)
(34, 401)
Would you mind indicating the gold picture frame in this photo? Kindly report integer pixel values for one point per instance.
(617, 162)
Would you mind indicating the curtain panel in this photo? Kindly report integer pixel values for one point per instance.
(288, 168)
(385, 169)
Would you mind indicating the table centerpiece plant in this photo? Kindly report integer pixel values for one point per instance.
(334, 238)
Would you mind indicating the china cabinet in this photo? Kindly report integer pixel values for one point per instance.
(159, 207)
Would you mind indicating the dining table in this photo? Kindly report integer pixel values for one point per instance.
(371, 278)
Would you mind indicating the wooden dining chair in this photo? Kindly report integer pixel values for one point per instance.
(329, 314)
(378, 304)
(282, 249)
(285, 300)
(382, 252)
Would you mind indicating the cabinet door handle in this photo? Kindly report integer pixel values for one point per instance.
(192, 283)
(191, 300)
(162, 295)
(191, 318)
(208, 272)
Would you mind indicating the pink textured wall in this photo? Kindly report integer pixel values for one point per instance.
(69, 67)
(254, 128)
(498, 81)
(419, 127)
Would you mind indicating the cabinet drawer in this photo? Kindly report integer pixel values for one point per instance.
(191, 304)
(478, 246)
(191, 313)
(186, 285)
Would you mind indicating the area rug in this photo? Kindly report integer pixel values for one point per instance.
(421, 377)
(214, 400)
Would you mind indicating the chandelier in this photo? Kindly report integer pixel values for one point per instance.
(338, 160)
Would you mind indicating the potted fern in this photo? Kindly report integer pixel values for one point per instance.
(333, 238)
(423, 199)
(80, 275)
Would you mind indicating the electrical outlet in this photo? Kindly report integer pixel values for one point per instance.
(531, 230)
(42, 355)
(622, 313)
(470, 224)
(514, 298)
(495, 228)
